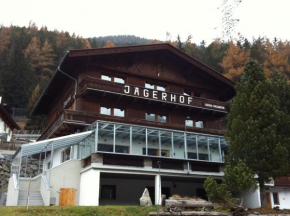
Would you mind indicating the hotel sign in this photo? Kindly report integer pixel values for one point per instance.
(169, 97)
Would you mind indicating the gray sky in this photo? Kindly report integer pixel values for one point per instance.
(149, 18)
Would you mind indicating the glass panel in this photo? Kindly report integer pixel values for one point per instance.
(65, 154)
(160, 88)
(122, 139)
(105, 77)
(202, 148)
(153, 142)
(189, 123)
(105, 137)
(149, 86)
(150, 117)
(224, 148)
(119, 112)
(119, 80)
(166, 149)
(191, 146)
(199, 124)
(214, 149)
(105, 111)
(162, 119)
(178, 145)
(138, 140)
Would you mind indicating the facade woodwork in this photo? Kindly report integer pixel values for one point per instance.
(160, 64)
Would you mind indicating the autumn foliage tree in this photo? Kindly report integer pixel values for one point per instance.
(234, 61)
(109, 44)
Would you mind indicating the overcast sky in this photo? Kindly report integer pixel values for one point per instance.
(150, 18)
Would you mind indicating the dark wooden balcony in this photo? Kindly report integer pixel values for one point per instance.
(90, 85)
(126, 160)
(71, 120)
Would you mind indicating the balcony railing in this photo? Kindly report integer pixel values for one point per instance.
(95, 84)
(89, 118)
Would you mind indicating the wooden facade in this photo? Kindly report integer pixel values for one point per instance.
(158, 65)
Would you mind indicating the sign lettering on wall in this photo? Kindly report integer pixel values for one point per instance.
(165, 96)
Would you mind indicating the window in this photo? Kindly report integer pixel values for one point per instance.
(119, 80)
(65, 155)
(276, 198)
(191, 155)
(104, 77)
(192, 123)
(113, 111)
(108, 192)
(155, 87)
(105, 148)
(150, 117)
(162, 119)
(105, 111)
(189, 123)
(199, 124)
(149, 86)
(160, 88)
(155, 152)
(119, 112)
(109, 148)
(113, 79)
(156, 118)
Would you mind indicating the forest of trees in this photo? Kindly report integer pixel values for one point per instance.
(30, 55)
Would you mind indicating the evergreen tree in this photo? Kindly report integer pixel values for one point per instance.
(253, 128)
(179, 44)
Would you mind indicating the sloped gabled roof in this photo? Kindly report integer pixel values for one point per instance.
(74, 58)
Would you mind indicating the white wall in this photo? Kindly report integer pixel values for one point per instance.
(252, 199)
(284, 197)
(34, 184)
(8, 130)
(89, 188)
(12, 193)
(65, 175)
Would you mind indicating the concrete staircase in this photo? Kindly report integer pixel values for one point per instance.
(35, 198)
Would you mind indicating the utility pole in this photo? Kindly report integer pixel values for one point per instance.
(228, 22)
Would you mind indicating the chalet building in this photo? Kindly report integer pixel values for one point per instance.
(7, 123)
(123, 119)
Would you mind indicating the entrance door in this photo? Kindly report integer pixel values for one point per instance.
(269, 205)
(67, 197)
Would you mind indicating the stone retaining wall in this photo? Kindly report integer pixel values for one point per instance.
(5, 164)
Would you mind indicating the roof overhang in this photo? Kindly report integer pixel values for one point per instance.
(75, 58)
(49, 144)
(6, 117)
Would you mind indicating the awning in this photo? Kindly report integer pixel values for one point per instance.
(55, 143)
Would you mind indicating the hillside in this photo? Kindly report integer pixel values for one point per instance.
(30, 55)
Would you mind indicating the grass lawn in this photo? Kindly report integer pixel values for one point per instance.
(80, 210)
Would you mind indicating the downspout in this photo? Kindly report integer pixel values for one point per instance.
(76, 86)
